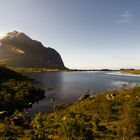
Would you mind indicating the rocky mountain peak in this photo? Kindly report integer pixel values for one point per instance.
(16, 35)
(19, 50)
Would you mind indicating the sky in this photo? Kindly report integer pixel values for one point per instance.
(88, 34)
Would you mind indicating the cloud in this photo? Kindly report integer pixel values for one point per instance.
(125, 17)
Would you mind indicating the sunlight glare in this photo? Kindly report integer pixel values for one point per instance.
(2, 35)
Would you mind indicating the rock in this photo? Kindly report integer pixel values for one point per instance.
(111, 96)
(3, 114)
(19, 50)
(83, 97)
(30, 104)
(17, 120)
(52, 99)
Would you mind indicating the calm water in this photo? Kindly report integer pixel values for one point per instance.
(69, 86)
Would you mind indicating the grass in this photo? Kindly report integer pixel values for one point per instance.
(131, 71)
(112, 115)
(30, 70)
(106, 116)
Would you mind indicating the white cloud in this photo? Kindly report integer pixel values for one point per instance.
(125, 17)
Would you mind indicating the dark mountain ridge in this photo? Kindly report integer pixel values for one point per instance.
(19, 50)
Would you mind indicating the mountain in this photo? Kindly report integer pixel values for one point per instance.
(19, 50)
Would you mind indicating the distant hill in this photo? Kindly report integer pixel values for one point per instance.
(19, 50)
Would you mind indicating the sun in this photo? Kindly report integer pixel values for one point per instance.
(2, 35)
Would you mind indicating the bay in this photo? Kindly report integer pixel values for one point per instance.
(67, 87)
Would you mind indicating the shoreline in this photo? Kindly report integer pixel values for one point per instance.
(119, 73)
(136, 72)
(30, 70)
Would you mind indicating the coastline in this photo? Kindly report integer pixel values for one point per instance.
(106, 115)
(32, 70)
(136, 72)
(120, 73)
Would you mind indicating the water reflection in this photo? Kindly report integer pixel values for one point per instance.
(48, 80)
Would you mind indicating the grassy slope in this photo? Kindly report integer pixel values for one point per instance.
(131, 71)
(111, 115)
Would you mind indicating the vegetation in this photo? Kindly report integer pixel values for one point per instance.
(110, 115)
(30, 70)
(16, 91)
(131, 71)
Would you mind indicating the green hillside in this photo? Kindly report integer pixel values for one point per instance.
(16, 91)
(112, 115)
